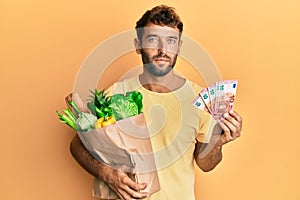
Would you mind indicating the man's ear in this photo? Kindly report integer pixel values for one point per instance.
(137, 45)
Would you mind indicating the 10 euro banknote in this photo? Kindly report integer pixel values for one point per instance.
(218, 98)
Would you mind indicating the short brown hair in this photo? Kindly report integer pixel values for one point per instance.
(160, 15)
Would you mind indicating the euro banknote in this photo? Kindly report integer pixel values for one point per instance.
(217, 99)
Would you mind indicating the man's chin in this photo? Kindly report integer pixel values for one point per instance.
(160, 72)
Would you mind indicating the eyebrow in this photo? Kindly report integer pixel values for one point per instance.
(151, 35)
(173, 37)
(154, 35)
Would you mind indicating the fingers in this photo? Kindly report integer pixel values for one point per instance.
(126, 187)
(226, 137)
(128, 181)
(235, 115)
(131, 191)
(238, 120)
(231, 123)
(128, 194)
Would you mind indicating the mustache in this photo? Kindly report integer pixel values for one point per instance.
(159, 56)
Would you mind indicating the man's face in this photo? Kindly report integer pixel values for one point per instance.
(159, 48)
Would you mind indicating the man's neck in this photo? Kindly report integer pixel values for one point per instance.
(161, 84)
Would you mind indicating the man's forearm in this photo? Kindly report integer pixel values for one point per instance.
(210, 161)
(85, 159)
(208, 156)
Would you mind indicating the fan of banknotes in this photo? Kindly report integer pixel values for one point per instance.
(218, 98)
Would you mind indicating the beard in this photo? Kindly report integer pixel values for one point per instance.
(158, 69)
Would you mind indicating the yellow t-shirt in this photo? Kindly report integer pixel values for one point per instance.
(174, 124)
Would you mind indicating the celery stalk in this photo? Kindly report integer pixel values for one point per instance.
(69, 113)
(67, 120)
(74, 106)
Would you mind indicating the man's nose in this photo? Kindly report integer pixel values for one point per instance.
(162, 46)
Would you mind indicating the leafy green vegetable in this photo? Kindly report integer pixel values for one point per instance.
(126, 106)
(85, 122)
(136, 97)
(99, 104)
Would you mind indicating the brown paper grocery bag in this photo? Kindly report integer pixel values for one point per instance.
(126, 144)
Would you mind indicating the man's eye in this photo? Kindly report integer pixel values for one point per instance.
(172, 41)
(152, 40)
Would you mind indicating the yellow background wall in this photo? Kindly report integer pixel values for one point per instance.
(43, 44)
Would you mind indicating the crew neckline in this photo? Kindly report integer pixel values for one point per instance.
(162, 93)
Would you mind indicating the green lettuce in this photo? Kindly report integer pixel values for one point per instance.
(126, 106)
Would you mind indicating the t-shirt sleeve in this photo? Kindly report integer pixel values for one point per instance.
(204, 131)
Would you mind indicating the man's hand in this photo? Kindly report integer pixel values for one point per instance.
(231, 124)
(122, 183)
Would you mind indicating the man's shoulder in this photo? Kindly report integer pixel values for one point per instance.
(195, 86)
(123, 86)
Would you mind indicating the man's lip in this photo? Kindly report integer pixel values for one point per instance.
(162, 59)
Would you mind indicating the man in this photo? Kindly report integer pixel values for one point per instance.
(178, 129)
